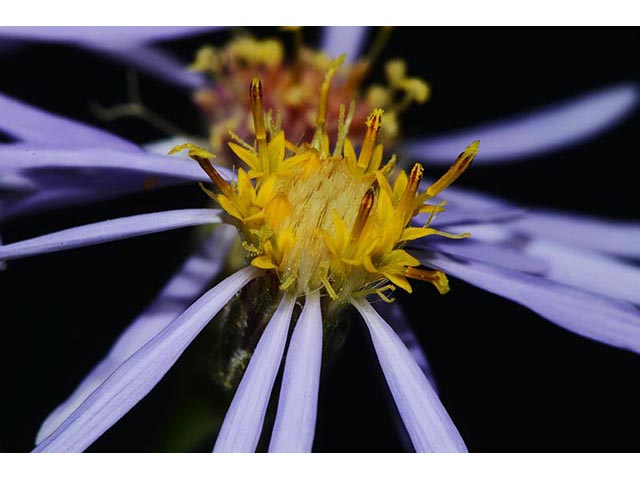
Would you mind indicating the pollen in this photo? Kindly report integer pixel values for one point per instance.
(335, 221)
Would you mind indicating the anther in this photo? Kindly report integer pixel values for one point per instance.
(203, 158)
(459, 166)
(373, 123)
(321, 117)
(215, 177)
(366, 205)
(408, 201)
(257, 111)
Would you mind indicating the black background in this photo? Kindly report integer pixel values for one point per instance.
(510, 380)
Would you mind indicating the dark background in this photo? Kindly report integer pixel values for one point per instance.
(510, 380)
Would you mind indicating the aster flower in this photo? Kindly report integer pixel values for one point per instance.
(523, 270)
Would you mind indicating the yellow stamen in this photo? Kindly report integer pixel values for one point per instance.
(458, 167)
(257, 111)
(321, 116)
(374, 122)
(204, 158)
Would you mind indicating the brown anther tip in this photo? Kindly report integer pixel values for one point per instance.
(255, 89)
(374, 121)
(416, 174)
(368, 199)
(366, 205)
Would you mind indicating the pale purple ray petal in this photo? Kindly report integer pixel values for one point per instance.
(500, 255)
(242, 424)
(186, 284)
(28, 123)
(109, 231)
(142, 371)
(156, 62)
(587, 269)
(396, 318)
(46, 161)
(468, 207)
(565, 263)
(2, 264)
(593, 316)
(610, 236)
(455, 216)
(102, 35)
(427, 422)
(295, 423)
(339, 40)
(535, 133)
(468, 199)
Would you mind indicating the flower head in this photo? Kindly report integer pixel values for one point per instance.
(330, 219)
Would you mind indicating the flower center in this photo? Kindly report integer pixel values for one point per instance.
(328, 219)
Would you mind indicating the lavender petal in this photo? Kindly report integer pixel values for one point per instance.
(427, 422)
(499, 255)
(110, 230)
(534, 133)
(339, 40)
(295, 424)
(102, 35)
(609, 236)
(397, 320)
(46, 161)
(28, 123)
(242, 424)
(142, 371)
(598, 273)
(593, 316)
(188, 282)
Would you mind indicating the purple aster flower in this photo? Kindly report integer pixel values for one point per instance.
(539, 274)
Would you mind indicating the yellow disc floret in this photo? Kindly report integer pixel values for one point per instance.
(335, 221)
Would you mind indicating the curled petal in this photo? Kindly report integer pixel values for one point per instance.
(183, 288)
(295, 424)
(142, 371)
(426, 421)
(534, 133)
(30, 124)
(593, 316)
(110, 230)
(242, 424)
(339, 40)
